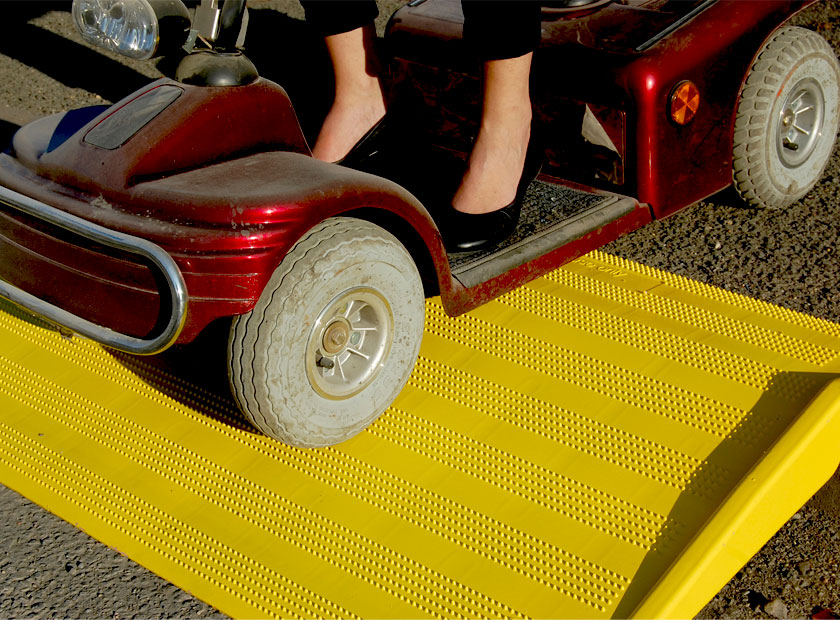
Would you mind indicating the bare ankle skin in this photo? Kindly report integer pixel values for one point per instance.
(498, 156)
(359, 101)
(495, 165)
(345, 124)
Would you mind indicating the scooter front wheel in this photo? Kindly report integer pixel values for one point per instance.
(333, 338)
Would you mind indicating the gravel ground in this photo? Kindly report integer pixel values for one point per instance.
(50, 569)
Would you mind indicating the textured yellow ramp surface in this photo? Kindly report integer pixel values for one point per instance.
(600, 443)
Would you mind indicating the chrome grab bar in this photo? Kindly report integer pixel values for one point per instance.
(128, 243)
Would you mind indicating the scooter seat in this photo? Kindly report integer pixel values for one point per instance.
(45, 134)
(31, 140)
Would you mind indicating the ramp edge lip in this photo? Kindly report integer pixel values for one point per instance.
(121, 241)
(800, 461)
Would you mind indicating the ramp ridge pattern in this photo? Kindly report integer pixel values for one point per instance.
(612, 588)
(616, 268)
(428, 591)
(540, 485)
(646, 338)
(634, 389)
(554, 454)
(181, 544)
(610, 444)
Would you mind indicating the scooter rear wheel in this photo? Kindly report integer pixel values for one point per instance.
(787, 119)
(332, 339)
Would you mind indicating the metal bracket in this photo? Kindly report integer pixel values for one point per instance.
(208, 19)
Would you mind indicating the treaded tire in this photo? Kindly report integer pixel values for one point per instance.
(346, 284)
(795, 80)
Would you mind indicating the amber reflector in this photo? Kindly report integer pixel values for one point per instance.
(684, 102)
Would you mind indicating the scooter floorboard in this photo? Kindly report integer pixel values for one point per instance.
(554, 213)
(552, 216)
(607, 440)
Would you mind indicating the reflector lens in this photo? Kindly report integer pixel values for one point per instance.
(685, 101)
(128, 27)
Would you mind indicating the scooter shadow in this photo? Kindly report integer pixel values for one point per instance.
(193, 375)
(70, 62)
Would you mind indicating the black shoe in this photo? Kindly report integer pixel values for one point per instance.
(474, 232)
(368, 145)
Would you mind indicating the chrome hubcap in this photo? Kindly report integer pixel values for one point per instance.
(349, 343)
(800, 123)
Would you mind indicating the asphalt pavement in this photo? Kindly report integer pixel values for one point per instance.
(50, 569)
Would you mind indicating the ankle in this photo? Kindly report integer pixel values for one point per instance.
(513, 127)
(345, 124)
(362, 92)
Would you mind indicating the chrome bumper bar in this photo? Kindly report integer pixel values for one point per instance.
(127, 243)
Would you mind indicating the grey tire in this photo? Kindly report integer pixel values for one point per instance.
(333, 338)
(787, 119)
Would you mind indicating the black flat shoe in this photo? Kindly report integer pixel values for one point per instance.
(474, 232)
(368, 145)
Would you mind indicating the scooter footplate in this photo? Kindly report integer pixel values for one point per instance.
(602, 441)
(552, 216)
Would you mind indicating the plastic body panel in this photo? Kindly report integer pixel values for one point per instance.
(596, 58)
(224, 191)
(225, 267)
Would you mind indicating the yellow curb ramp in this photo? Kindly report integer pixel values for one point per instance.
(608, 441)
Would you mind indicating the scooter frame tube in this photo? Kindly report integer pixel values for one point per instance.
(127, 243)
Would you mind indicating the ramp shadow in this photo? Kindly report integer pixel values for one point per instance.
(787, 396)
(194, 375)
(7, 307)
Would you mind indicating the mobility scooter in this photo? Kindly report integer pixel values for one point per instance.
(196, 199)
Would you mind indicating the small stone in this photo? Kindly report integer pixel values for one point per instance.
(776, 608)
(804, 567)
(756, 600)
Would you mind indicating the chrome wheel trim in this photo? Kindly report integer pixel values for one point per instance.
(800, 122)
(349, 343)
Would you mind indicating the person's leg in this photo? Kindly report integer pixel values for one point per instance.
(498, 155)
(502, 34)
(359, 101)
(347, 28)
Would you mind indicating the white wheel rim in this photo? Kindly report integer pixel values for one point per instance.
(349, 343)
(800, 123)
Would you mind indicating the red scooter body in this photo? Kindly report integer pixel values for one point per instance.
(221, 181)
(623, 60)
(221, 178)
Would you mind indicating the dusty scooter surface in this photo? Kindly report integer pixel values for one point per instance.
(195, 199)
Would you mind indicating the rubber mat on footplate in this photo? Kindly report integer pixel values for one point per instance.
(605, 441)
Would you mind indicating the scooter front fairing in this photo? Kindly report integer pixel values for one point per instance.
(219, 178)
